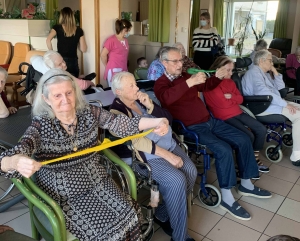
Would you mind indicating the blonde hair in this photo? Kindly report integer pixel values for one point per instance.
(67, 19)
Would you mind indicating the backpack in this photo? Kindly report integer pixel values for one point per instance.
(31, 79)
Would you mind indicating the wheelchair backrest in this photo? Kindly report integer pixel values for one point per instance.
(31, 79)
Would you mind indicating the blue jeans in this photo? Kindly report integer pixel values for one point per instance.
(221, 138)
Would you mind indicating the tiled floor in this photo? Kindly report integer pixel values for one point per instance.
(278, 215)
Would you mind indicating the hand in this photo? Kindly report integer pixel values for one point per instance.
(176, 161)
(144, 99)
(196, 79)
(4, 228)
(23, 164)
(162, 128)
(12, 110)
(274, 70)
(221, 72)
(292, 109)
(227, 96)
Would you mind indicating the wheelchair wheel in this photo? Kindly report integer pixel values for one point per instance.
(272, 155)
(214, 196)
(287, 139)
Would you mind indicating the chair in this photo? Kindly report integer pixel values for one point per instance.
(5, 53)
(20, 51)
(46, 216)
(275, 52)
(282, 44)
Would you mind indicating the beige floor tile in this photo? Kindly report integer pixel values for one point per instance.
(228, 230)
(21, 224)
(160, 235)
(275, 185)
(295, 193)
(284, 173)
(264, 238)
(217, 210)
(282, 225)
(260, 218)
(298, 182)
(2, 179)
(206, 239)
(290, 209)
(271, 204)
(286, 162)
(194, 235)
(202, 220)
(13, 212)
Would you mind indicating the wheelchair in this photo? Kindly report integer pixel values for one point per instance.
(253, 105)
(208, 194)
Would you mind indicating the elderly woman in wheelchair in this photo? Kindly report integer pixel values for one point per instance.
(94, 207)
(171, 168)
(263, 79)
(224, 102)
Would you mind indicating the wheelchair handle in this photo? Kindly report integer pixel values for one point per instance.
(195, 71)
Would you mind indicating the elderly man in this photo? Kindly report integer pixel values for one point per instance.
(178, 92)
(51, 60)
(263, 79)
(187, 62)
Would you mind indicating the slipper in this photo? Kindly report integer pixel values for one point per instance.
(262, 167)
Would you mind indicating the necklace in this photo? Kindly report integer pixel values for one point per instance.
(73, 126)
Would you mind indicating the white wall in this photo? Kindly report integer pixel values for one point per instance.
(74, 4)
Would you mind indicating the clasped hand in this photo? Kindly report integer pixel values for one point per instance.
(162, 128)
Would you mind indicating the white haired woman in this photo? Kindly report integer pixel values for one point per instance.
(172, 169)
(62, 124)
(258, 81)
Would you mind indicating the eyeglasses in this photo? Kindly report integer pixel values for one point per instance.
(175, 61)
(270, 60)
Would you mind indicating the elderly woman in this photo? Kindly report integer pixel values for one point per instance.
(261, 44)
(156, 68)
(63, 123)
(293, 60)
(224, 100)
(187, 62)
(174, 172)
(258, 81)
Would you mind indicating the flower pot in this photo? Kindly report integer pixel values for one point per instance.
(231, 41)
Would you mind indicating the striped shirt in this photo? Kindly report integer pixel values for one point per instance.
(204, 39)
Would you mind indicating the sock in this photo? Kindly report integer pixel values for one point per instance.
(227, 196)
(246, 183)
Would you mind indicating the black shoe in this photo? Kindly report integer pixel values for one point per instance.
(90, 76)
(255, 178)
(188, 239)
(166, 226)
(296, 163)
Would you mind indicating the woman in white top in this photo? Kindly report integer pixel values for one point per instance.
(205, 39)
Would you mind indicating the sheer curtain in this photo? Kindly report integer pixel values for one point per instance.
(159, 20)
(281, 19)
(218, 15)
(50, 6)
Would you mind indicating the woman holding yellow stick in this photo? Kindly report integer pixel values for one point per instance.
(93, 206)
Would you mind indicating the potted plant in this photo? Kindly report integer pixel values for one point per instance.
(260, 34)
(231, 40)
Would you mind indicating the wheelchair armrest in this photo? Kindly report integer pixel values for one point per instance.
(258, 98)
(194, 135)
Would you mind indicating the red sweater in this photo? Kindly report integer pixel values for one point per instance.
(221, 107)
(183, 102)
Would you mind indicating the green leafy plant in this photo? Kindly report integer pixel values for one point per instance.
(127, 16)
(260, 34)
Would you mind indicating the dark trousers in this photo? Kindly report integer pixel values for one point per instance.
(257, 132)
(72, 66)
(203, 59)
(221, 138)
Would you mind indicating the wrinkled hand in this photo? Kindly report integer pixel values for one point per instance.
(162, 128)
(12, 110)
(23, 164)
(196, 79)
(4, 228)
(176, 161)
(144, 99)
(227, 96)
(274, 70)
(292, 109)
(221, 72)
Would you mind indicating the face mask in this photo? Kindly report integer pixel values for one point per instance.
(203, 23)
(126, 35)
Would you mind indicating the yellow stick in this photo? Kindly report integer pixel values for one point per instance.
(104, 145)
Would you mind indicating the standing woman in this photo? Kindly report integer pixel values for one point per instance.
(205, 38)
(115, 50)
(69, 37)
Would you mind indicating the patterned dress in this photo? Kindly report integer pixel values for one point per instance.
(94, 208)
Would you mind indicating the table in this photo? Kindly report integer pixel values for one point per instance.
(105, 97)
(11, 129)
